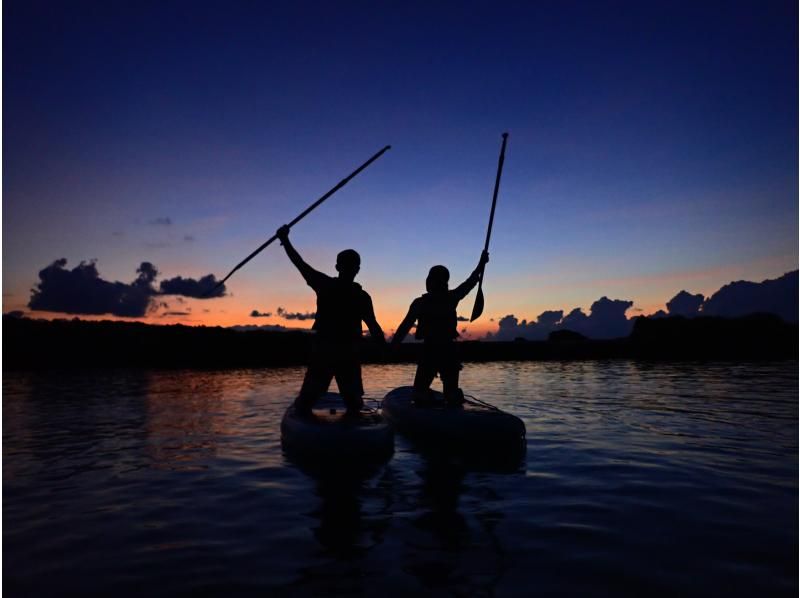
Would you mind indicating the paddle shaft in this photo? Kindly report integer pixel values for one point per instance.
(496, 189)
(302, 215)
(494, 203)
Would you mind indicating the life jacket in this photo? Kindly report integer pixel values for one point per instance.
(437, 319)
(340, 308)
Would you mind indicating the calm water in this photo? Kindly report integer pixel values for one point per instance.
(639, 478)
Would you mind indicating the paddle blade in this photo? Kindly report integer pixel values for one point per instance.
(477, 309)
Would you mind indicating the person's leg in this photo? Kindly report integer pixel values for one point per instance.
(449, 370)
(316, 381)
(348, 378)
(426, 368)
(423, 378)
(315, 384)
(453, 395)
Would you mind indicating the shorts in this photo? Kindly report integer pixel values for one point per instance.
(438, 358)
(329, 360)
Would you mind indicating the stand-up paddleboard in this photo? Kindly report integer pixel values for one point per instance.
(329, 436)
(474, 428)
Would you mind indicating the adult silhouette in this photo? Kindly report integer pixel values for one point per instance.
(437, 325)
(341, 307)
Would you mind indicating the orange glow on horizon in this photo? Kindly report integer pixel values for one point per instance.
(537, 294)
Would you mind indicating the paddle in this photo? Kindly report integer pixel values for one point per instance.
(477, 309)
(338, 186)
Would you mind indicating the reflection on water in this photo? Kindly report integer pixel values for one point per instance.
(639, 478)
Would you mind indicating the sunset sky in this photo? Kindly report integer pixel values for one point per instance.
(652, 148)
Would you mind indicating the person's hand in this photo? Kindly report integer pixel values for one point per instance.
(484, 258)
(283, 233)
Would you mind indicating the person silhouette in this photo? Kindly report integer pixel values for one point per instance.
(341, 307)
(437, 323)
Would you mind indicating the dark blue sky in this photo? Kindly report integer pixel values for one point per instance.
(649, 140)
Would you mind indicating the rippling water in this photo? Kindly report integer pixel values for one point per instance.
(639, 478)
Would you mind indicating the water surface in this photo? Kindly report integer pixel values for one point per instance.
(639, 478)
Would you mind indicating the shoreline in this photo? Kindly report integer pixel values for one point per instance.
(70, 344)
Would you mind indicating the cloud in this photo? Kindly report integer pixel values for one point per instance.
(249, 327)
(778, 296)
(81, 290)
(161, 221)
(462, 319)
(685, 304)
(605, 320)
(607, 317)
(188, 238)
(17, 313)
(286, 315)
(259, 314)
(176, 313)
(509, 327)
(189, 287)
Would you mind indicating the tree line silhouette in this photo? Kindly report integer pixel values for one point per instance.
(50, 344)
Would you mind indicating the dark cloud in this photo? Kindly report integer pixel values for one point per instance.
(249, 327)
(163, 221)
(685, 304)
(778, 296)
(509, 327)
(260, 314)
(188, 238)
(147, 272)
(287, 315)
(17, 313)
(550, 318)
(607, 317)
(117, 233)
(606, 320)
(462, 319)
(189, 287)
(177, 313)
(81, 290)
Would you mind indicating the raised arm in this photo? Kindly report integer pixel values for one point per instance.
(311, 276)
(405, 325)
(465, 287)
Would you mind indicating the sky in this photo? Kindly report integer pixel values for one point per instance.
(653, 148)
